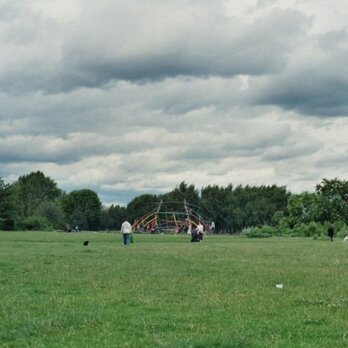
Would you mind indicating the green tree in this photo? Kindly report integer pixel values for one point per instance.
(112, 217)
(302, 208)
(139, 206)
(263, 202)
(117, 215)
(53, 212)
(254, 206)
(332, 188)
(7, 209)
(83, 208)
(183, 192)
(216, 205)
(332, 200)
(32, 190)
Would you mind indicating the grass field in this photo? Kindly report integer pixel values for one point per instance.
(164, 291)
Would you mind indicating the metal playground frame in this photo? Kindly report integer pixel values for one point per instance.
(171, 217)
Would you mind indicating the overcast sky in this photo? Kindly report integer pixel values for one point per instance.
(131, 97)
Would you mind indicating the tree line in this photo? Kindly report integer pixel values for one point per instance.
(35, 202)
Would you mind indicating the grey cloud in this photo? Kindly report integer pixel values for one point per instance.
(208, 151)
(317, 86)
(36, 149)
(310, 93)
(173, 105)
(9, 10)
(246, 139)
(216, 47)
(42, 148)
(78, 146)
(335, 160)
(289, 151)
(30, 49)
(193, 39)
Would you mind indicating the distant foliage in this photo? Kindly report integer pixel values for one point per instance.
(236, 209)
(31, 190)
(182, 192)
(36, 201)
(257, 232)
(112, 217)
(333, 200)
(34, 223)
(329, 204)
(137, 207)
(7, 207)
(7, 224)
(83, 208)
(53, 212)
(312, 229)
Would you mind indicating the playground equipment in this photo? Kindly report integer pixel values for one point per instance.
(167, 217)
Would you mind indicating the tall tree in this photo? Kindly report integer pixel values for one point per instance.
(83, 208)
(333, 200)
(117, 214)
(235, 209)
(112, 217)
(302, 208)
(182, 192)
(333, 187)
(141, 205)
(7, 211)
(32, 190)
(53, 212)
(215, 204)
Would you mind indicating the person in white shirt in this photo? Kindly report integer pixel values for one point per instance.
(189, 229)
(200, 230)
(126, 230)
(212, 226)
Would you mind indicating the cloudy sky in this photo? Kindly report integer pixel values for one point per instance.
(131, 97)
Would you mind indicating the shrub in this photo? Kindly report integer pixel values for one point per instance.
(53, 212)
(7, 224)
(313, 229)
(257, 232)
(38, 223)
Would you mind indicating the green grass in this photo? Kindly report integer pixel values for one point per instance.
(164, 291)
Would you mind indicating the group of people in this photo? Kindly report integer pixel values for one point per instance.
(196, 233)
(67, 228)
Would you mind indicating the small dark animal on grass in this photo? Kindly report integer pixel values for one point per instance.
(85, 243)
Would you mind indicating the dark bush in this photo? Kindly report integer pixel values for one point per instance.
(7, 224)
(257, 232)
(37, 223)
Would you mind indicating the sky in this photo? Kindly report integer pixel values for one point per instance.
(132, 97)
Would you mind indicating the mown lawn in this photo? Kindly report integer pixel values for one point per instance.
(164, 291)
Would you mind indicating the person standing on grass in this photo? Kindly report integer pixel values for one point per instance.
(126, 230)
(330, 233)
(200, 230)
(189, 229)
(212, 226)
